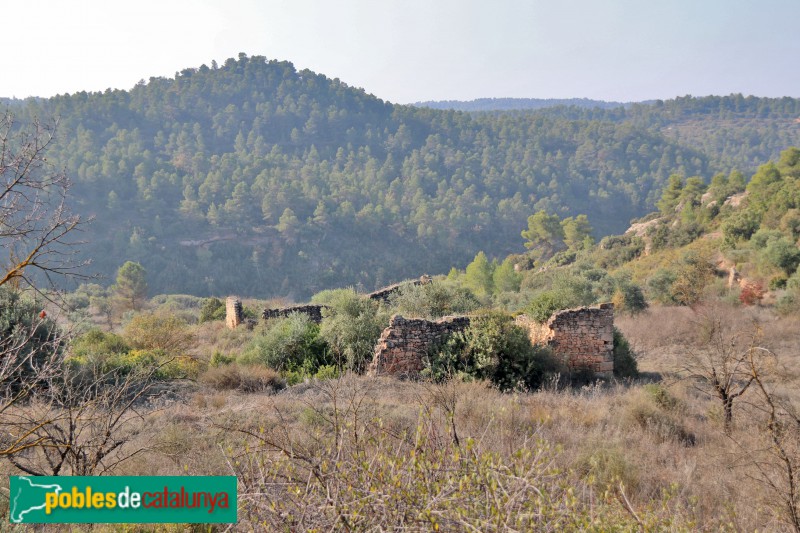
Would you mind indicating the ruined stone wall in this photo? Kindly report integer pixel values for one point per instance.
(314, 312)
(234, 315)
(583, 337)
(385, 293)
(404, 344)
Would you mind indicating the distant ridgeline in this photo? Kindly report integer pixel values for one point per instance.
(252, 177)
(518, 104)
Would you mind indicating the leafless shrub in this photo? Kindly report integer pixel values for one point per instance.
(80, 421)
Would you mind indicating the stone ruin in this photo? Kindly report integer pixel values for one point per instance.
(385, 293)
(582, 337)
(403, 345)
(234, 314)
(314, 312)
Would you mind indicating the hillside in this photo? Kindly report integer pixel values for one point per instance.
(254, 178)
(726, 238)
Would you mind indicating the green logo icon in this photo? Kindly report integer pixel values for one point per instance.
(122, 499)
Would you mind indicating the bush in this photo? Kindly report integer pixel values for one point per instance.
(782, 253)
(24, 335)
(740, 226)
(433, 300)
(544, 305)
(212, 309)
(245, 378)
(496, 349)
(287, 344)
(629, 298)
(625, 365)
(96, 342)
(220, 359)
(777, 283)
(788, 304)
(159, 331)
(351, 327)
(752, 293)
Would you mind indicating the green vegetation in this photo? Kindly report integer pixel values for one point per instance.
(252, 177)
(255, 176)
(27, 339)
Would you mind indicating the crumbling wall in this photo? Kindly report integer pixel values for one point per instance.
(582, 337)
(403, 345)
(234, 315)
(385, 293)
(314, 312)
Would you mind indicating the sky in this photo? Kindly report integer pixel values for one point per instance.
(407, 51)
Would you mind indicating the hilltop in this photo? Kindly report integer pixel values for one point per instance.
(255, 178)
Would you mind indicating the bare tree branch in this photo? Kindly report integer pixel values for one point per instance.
(37, 228)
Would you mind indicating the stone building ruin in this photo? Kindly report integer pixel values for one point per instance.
(234, 314)
(314, 312)
(582, 337)
(403, 345)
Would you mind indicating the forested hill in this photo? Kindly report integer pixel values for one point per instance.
(254, 178)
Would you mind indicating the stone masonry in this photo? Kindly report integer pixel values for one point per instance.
(234, 315)
(314, 312)
(583, 337)
(385, 293)
(403, 345)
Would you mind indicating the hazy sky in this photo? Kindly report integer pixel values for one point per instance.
(412, 50)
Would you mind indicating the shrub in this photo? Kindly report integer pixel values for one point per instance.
(220, 359)
(159, 331)
(351, 327)
(212, 309)
(327, 372)
(544, 305)
(492, 348)
(287, 344)
(433, 300)
(97, 342)
(24, 335)
(752, 293)
(644, 412)
(625, 365)
(777, 283)
(629, 298)
(788, 304)
(783, 254)
(661, 396)
(245, 378)
(740, 226)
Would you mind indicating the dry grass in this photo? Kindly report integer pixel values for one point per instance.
(383, 454)
(243, 378)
